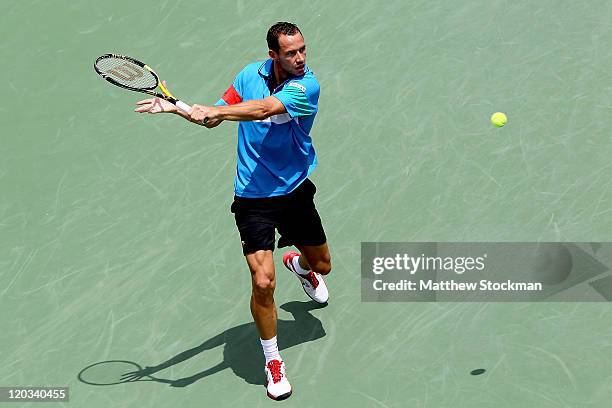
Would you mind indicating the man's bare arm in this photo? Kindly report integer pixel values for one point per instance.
(257, 109)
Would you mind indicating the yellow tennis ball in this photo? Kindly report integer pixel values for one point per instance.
(499, 119)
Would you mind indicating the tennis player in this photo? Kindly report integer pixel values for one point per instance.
(275, 102)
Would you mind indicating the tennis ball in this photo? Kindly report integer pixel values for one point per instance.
(499, 119)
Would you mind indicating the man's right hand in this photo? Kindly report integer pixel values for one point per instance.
(211, 123)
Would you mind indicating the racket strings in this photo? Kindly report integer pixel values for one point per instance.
(127, 73)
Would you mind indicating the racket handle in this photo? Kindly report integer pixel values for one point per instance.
(182, 106)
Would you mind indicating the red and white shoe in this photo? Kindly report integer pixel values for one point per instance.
(278, 385)
(312, 283)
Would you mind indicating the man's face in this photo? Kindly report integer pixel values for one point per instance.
(291, 54)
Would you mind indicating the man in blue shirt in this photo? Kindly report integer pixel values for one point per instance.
(275, 102)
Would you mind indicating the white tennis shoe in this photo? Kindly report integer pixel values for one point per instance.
(312, 283)
(278, 386)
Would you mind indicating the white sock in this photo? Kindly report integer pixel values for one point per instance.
(270, 349)
(298, 268)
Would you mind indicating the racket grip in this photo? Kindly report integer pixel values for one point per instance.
(183, 106)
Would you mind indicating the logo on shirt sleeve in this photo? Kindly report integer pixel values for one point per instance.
(298, 86)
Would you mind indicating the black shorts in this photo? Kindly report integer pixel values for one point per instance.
(294, 216)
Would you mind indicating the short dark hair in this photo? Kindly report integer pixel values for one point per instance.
(282, 27)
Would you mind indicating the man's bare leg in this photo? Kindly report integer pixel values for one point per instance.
(263, 309)
(315, 258)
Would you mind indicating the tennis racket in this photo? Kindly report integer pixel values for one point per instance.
(129, 73)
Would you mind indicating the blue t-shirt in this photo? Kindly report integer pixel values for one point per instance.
(276, 154)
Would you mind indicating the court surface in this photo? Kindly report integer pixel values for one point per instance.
(116, 240)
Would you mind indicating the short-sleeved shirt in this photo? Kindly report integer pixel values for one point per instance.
(275, 155)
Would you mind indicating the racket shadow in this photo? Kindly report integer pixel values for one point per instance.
(241, 349)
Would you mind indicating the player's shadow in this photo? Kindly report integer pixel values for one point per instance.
(242, 351)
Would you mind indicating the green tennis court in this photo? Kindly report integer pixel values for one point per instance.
(117, 244)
